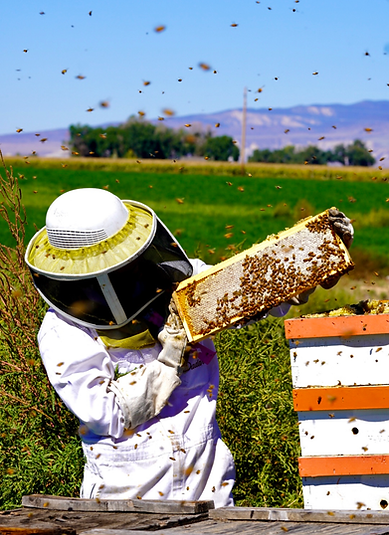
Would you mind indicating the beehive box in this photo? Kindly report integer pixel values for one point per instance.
(261, 277)
(340, 372)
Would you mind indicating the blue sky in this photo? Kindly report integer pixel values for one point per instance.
(276, 46)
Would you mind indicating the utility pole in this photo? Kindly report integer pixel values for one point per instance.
(243, 138)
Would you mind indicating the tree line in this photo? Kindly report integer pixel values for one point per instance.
(354, 154)
(137, 138)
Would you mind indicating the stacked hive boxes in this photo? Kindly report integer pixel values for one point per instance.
(340, 370)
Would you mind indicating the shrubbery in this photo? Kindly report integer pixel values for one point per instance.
(39, 451)
(137, 138)
(354, 154)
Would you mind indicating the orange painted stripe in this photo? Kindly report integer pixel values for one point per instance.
(344, 466)
(345, 326)
(341, 398)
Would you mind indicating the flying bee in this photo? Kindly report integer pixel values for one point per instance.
(160, 28)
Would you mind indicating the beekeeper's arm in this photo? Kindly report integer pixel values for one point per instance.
(143, 393)
(82, 373)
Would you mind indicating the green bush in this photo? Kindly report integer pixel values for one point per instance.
(256, 417)
(39, 451)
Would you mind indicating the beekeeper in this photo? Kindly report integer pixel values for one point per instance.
(115, 351)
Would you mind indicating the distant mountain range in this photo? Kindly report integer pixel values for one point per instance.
(321, 125)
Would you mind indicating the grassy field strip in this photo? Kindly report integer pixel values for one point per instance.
(191, 166)
(200, 207)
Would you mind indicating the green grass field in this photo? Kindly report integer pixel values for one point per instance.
(198, 207)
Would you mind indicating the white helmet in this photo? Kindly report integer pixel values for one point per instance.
(100, 261)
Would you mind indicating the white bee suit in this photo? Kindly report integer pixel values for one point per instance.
(178, 454)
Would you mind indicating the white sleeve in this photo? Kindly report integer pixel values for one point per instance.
(82, 373)
(80, 369)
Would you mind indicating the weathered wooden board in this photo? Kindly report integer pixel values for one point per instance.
(231, 520)
(45, 529)
(262, 277)
(61, 503)
(74, 522)
(255, 528)
(300, 515)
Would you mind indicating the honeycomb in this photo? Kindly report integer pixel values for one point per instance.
(262, 277)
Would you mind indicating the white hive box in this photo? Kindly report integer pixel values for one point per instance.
(262, 277)
(340, 372)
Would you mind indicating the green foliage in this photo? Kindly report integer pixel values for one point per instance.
(354, 154)
(256, 417)
(289, 154)
(38, 449)
(141, 139)
(221, 148)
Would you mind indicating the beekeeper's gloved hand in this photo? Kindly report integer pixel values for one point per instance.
(144, 392)
(173, 340)
(344, 229)
(342, 226)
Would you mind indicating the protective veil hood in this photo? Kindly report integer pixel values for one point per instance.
(100, 261)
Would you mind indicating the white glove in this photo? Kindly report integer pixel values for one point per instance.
(173, 340)
(143, 393)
